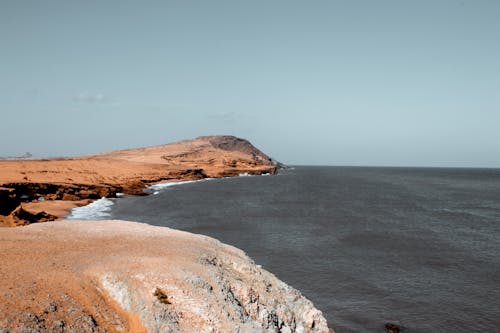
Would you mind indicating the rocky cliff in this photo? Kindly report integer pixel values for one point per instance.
(116, 276)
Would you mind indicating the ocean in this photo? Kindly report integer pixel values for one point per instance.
(418, 247)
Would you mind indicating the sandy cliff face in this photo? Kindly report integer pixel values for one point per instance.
(125, 171)
(116, 276)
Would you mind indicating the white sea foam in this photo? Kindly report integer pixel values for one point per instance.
(246, 174)
(161, 186)
(96, 210)
(157, 188)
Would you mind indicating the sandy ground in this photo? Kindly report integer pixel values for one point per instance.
(98, 276)
(58, 208)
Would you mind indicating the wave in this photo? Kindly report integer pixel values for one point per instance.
(161, 186)
(246, 174)
(155, 189)
(98, 209)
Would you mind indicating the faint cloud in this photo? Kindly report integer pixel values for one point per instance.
(231, 116)
(86, 97)
(225, 115)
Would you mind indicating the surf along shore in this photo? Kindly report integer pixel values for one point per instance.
(119, 276)
(41, 190)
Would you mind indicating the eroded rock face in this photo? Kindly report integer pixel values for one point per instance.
(226, 294)
(13, 214)
(132, 277)
(8, 200)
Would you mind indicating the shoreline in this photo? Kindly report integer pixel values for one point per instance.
(150, 190)
(125, 171)
(144, 278)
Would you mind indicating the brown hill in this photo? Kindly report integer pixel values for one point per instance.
(125, 171)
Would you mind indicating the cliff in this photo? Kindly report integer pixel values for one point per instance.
(117, 276)
(126, 171)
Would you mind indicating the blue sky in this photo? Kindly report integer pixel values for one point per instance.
(408, 83)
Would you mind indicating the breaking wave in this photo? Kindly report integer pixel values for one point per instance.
(98, 209)
(158, 187)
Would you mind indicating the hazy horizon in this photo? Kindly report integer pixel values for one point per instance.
(384, 83)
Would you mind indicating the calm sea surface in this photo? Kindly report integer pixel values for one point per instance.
(419, 247)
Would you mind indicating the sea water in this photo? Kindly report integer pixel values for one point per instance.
(417, 247)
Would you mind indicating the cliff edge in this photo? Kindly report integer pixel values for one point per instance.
(117, 276)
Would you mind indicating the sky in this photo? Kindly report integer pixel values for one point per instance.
(376, 83)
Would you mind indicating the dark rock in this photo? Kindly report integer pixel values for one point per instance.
(59, 191)
(91, 321)
(21, 214)
(8, 200)
(392, 328)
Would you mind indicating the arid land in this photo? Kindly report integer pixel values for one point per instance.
(119, 276)
(70, 182)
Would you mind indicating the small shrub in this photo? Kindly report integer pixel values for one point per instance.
(162, 297)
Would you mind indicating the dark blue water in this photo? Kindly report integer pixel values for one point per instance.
(419, 247)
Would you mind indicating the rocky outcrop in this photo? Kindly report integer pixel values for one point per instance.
(12, 213)
(19, 217)
(232, 143)
(8, 200)
(56, 191)
(145, 279)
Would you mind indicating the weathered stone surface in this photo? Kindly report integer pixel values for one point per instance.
(116, 276)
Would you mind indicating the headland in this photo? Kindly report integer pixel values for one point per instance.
(40, 190)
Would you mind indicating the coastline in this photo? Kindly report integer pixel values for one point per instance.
(129, 172)
(85, 210)
(145, 278)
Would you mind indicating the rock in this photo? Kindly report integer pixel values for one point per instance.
(144, 279)
(8, 200)
(20, 216)
(392, 328)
